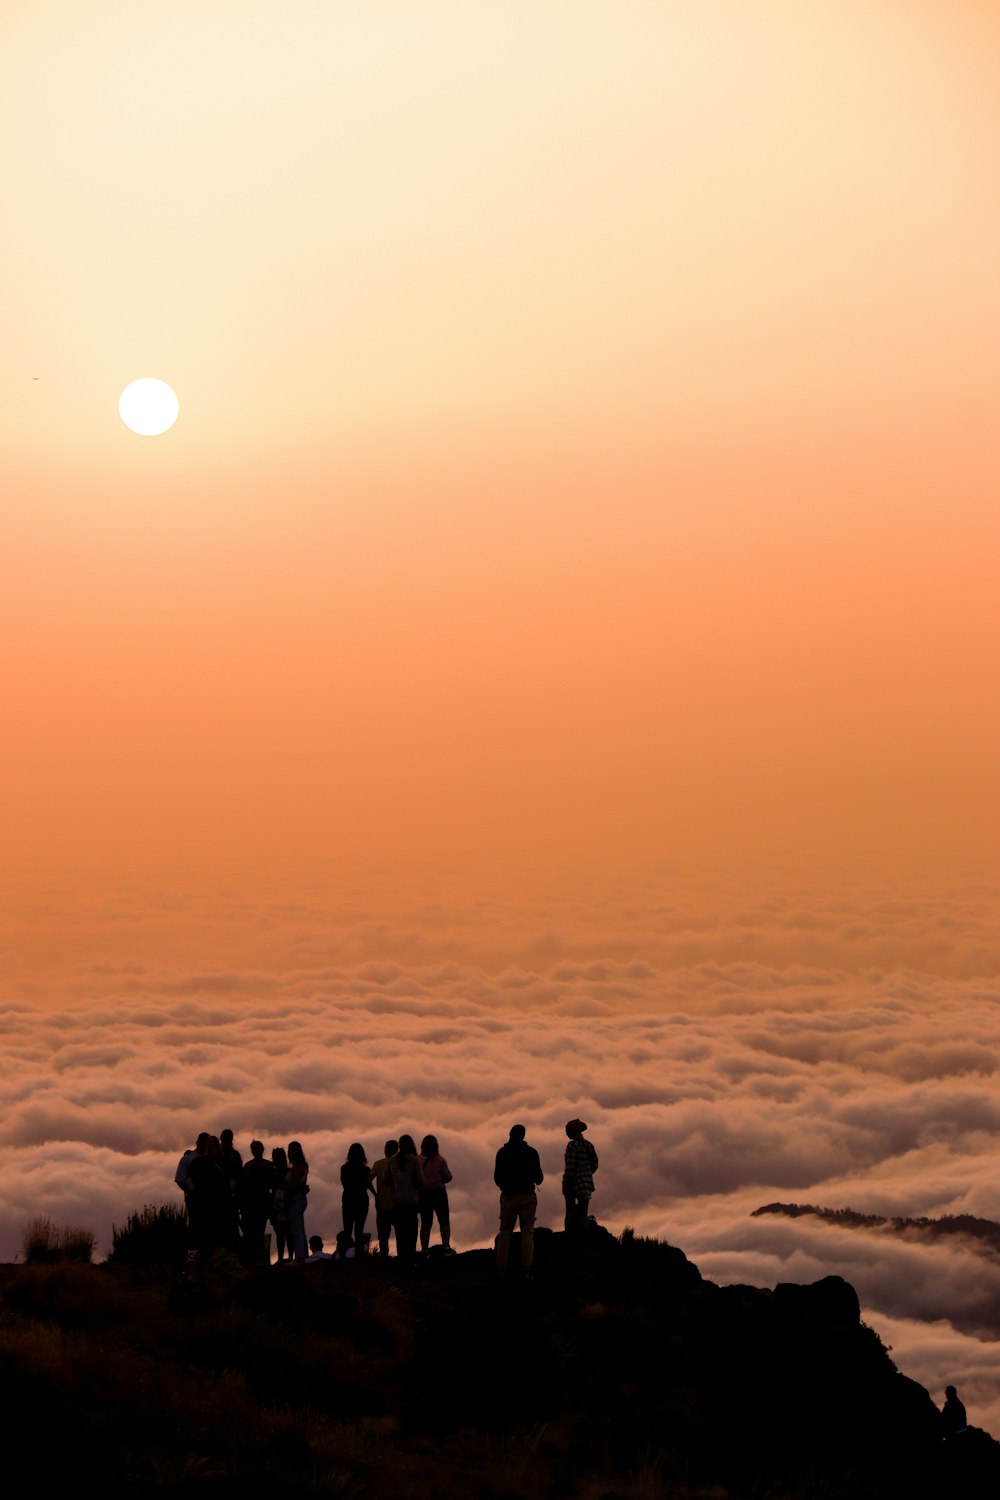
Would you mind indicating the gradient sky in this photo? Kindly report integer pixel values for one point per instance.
(566, 606)
(588, 427)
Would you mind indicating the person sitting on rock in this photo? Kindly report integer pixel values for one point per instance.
(953, 1418)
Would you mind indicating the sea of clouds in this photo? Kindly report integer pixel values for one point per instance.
(728, 1046)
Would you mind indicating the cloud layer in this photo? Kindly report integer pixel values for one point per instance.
(719, 1062)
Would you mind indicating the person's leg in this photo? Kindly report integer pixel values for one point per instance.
(360, 1215)
(254, 1226)
(576, 1213)
(528, 1207)
(508, 1215)
(426, 1220)
(444, 1220)
(297, 1226)
(407, 1242)
(383, 1224)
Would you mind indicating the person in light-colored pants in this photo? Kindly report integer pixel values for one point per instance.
(517, 1208)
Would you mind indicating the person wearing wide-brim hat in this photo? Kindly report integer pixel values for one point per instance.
(578, 1176)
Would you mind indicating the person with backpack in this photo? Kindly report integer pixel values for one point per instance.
(181, 1175)
(578, 1176)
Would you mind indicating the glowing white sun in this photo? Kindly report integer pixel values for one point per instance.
(148, 407)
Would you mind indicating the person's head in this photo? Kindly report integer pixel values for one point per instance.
(950, 1390)
(213, 1148)
(280, 1158)
(391, 1147)
(202, 1141)
(407, 1146)
(575, 1128)
(226, 1139)
(256, 1150)
(429, 1146)
(316, 1243)
(517, 1132)
(356, 1155)
(296, 1155)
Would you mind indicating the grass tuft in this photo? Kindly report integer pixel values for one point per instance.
(44, 1243)
(157, 1235)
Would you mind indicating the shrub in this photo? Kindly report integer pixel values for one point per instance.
(39, 1241)
(43, 1243)
(156, 1236)
(77, 1244)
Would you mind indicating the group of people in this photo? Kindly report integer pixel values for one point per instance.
(518, 1174)
(230, 1202)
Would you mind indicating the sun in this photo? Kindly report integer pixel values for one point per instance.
(148, 407)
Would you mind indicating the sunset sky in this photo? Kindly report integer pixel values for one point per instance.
(551, 664)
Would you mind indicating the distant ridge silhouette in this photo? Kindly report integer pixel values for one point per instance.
(985, 1233)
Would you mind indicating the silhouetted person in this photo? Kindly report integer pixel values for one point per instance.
(517, 1173)
(434, 1195)
(181, 1175)
(953, 1418)
(255, 1189)
(230, 1161)
(405, 1178)
(279, 1202)
(296, 1189)
(383, 1197)
(578, 1176)
(355, 1179)
(211, 1204)
(316, 1251)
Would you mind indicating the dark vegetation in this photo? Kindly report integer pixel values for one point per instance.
(985, 1233)
(44, 1243)
(158, 1235)
(616, 1374)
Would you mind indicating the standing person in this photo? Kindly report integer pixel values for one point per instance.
(255, 1188)
(578, 1176)
(231, 1165)
(211, 1204)
(383, 1198)
(296, 1189)
(279, 1202)
(355, 1179)
(405, 1177)
(230, 1160)
(434, 1195)
(518, 1172)
(181, 1175)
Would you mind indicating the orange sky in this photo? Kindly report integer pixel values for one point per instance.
(588, 441)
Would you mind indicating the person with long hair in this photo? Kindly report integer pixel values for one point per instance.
(296, 1189)
(405, 1177)
(434, 1195)
(278, 1215)
(355, 1179)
